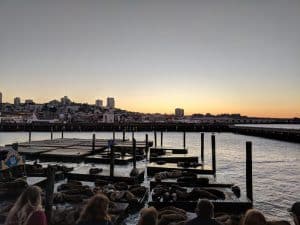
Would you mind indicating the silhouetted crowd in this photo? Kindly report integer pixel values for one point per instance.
(28, 211)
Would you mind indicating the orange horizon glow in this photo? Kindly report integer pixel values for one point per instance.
(167, 106)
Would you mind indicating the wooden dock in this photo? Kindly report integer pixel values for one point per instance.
(105, 159)
(121, 173)
(163, 150)
(154, 168)
(171, 158)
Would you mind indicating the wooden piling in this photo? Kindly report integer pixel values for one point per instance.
(94, 142)
(49, 193)
(146, 147)
(124, 134)
(51, 133)
(132, 132)
(213, 148)
(202, 147)
(249, 183)
(62, 132)
(134, 152)
(155, 138)
(112, 161)
(184, 136)
(161, 138)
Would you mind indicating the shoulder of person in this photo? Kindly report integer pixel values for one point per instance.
(37, 217)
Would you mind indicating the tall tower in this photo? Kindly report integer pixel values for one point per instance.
(17, 101)
(110, 102)
(99, 103)
(0, 98)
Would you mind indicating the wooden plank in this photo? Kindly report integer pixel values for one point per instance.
(120, 160)
(198, 182)
(153, 168)
(174, 158)
(162, 150)
(121, 173)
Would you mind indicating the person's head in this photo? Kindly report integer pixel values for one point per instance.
(96, 209)
(148, 216)
(205, 209)
(254, 217)
(296, 212)
(29, 201)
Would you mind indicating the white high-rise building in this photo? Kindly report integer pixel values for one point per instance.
(110, 102)
(179, 112)
(99, 103)
(17, 101)
(0, 98)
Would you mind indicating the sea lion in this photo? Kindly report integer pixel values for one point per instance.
(99, 182)
(197, 193)
(278, 222)
(219, 194)
(138, 191)
(94, 171)
(121, 186)
(236, 190)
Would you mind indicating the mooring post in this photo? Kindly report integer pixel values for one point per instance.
(114, 134)
(155, 138)
(94, 142)
(184, 134)
(134, 152)
(124, 134)
(49, 193)
(161, 138)
(29, 135)
(202, 147)
(51, 132)
(132, 132)
(249, 183)
(213, 148)
(146, 147)
(112, 160)
(62, 132)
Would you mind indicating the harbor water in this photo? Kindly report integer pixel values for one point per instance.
(276, 164)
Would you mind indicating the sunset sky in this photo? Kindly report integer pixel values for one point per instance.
(217, 56)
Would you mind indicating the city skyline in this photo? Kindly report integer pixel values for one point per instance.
(207, 56)
(106, 103)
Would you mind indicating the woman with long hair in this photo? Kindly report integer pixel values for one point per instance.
(95, 212)
(28, 209)
(254, 217)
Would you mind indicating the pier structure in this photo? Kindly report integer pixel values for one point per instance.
(95, 162)
(291, 135)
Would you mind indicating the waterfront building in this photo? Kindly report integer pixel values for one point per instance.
(29, 101)
(99, 103)
(17, 101)
(179, 112)
(109, 117)
(110, 103)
